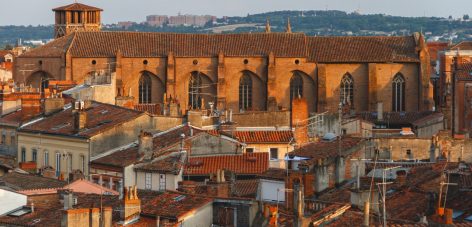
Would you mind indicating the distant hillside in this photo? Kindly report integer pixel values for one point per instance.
(321, 23)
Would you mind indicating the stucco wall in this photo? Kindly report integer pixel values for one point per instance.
(120, 135)
(52, 145)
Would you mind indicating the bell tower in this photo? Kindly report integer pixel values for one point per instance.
(76, 17)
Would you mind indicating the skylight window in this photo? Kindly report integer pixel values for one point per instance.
(179, 198)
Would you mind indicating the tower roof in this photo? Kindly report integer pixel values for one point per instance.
(77, 7)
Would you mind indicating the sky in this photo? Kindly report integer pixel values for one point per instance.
(35, 12)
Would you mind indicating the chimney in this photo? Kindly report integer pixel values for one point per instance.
(145, 145)
(379, 111)
(68, 200)
(187, 186)
(366, 213)
(131, 206)
(301, 202)
(80, 116)
(299, 114)
(52, 105)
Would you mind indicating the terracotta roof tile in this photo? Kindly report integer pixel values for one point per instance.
(170, 164)
(121, 158)
(162, 141)
(77, 6)
(248, 164)
(317, 49)
(18, 117)
(363, 49)
(246, 188)
(56, 48)
(100, 117)
(326, 149)
(170, 204)
(147, 44)
(464, 45)
(20, 181)
(261, 136)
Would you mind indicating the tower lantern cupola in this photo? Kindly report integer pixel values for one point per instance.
(76, 17)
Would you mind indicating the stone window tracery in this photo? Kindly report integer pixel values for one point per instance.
(245, 92)
(398, 93)
(145, 86)
(347, 90)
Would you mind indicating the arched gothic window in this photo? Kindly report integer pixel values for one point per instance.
(145, 86)
(296, 87)
(347, 90)
(195, 91)
(398, 93)
(245, 92)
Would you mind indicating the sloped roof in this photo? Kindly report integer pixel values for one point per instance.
(261, 136)
(168, 164)
(248, 164)
(153, 44)
(85, 186)
(20, 181)
(56, 48)
(464, 45)
(100, 117)
(170, 204)
(77, 7)
(326, 149)
(363, 49)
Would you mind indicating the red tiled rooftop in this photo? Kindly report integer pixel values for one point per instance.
(170, 204)
(170, 164)
(100, 117)
(316, 49)
(326, 149)
(20, 181)
(19, 117)
(464, 45)
(249, 163)
(261, 136)
(77, 7)
(362, 49)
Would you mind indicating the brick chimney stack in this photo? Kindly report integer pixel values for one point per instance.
(52, 105)
(145, 145)
(131, 206)
(299, 116)
(80, 116)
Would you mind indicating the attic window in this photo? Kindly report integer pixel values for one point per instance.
(297, 62)
(145, 62)
(195, 62)
(245, 61)
(20, 212)
(40, 62)
(94, 62)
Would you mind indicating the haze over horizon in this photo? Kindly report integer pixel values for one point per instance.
(34, 12)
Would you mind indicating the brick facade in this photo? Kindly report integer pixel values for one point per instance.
(270, 69)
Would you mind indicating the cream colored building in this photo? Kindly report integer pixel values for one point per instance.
(66, 140)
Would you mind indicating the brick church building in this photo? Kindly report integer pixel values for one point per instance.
(242, 72)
